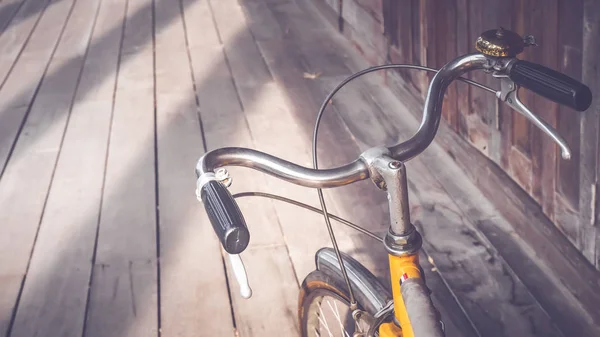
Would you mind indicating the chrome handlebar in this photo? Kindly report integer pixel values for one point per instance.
(432, 111)
(357, 170)
(283, 169)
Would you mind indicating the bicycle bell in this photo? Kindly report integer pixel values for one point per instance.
(503, 43)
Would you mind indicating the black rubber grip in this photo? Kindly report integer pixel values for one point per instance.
(225, 216)
(551, 84)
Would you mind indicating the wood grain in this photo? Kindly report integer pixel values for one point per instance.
(463, 46)
(521, 126)
(8, 9)
(551, 247)
(569, 62)
(478, 119)
(24, 78)
(16, 34)
(21, 212)
(124, 292)
(548, 111)
(193, 285)
(590, 139)
(59, 271)
(270, 261)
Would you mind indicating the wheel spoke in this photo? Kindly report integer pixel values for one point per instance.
(323, 321)
(336, 313)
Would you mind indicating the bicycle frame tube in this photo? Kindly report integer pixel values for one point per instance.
(401, 268)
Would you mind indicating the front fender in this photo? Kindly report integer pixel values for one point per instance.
(371, 294)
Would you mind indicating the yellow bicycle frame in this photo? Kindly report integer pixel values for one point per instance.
(400, 267)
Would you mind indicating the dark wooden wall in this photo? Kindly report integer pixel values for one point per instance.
(432, 32)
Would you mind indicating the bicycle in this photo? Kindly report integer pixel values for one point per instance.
(339, 280)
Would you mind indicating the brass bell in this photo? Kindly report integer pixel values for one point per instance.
(502, 43)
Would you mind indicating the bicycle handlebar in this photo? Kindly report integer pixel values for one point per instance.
(223, 210)
(283, 169)
(356, 170)
(432, 111)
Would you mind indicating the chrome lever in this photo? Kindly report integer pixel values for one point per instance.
(240, 275)
(509, 93)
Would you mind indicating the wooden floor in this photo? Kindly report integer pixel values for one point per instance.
(105, 106)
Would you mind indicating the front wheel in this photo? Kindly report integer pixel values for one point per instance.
(324, 302)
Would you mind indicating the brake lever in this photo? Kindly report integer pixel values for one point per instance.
(240, 275)
(509, 94)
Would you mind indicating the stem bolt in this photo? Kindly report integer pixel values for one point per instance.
(395, 165)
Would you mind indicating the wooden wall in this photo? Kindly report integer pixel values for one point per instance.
(432, 32)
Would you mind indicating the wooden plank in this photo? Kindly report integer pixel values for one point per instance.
(8, 9)
(495, 15)
(225, 125)
(570, 59)
(536, 20)
(520, 125)
(375, 8)
(463, 46)
(485, 288)
(123, 294)
(20, 86)
(21, 211)
(274, 294)
(254, 89)
(402, 52)
(59, 270)
(517, 152)
(544, 158)
(590, 139)
(354, 22)
(550, 246)
(563, 309)
(264, 25)
(404, 33)
(505, 113)
(445, 38)
(427, 41)
(475, 119)
(189, 291)
(16, 35)
(456, 323)
(416, 41)
(287, 62)
(390, 21)
(365, 30)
